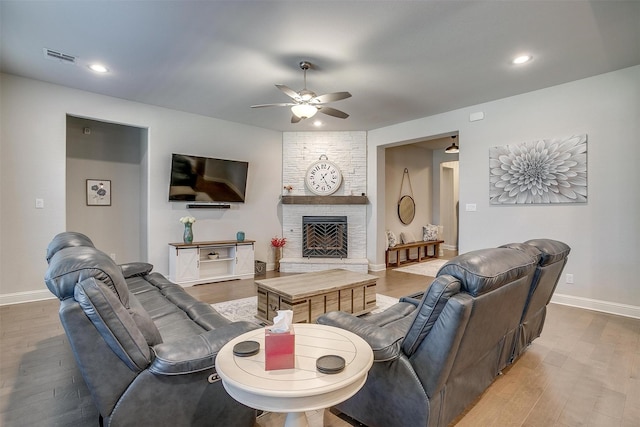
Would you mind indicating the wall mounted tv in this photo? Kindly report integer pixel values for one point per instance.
(204, 179)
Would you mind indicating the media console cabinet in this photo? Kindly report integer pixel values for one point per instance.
(190, 263)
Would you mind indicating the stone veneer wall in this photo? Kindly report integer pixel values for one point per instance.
(348, 150)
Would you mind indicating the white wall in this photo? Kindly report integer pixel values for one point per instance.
(32, 165)
(604, 233)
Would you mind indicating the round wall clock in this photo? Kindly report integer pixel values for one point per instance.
(323, 177)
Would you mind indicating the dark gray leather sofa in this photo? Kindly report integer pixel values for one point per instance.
(145, 347)
(434, 356)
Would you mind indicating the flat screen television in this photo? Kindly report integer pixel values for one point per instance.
(205, 179)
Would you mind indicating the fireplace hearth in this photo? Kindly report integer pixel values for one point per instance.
(324, 237)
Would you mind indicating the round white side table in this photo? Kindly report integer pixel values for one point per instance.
(303, 388)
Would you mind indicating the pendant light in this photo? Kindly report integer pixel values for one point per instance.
(453, 148)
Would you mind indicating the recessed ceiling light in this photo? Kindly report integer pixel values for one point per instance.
(98, 68)
(522, 59)
(317, 123)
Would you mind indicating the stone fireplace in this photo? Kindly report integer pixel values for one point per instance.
(348, 150)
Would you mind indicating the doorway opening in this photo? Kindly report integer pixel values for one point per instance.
(115, 155)
(434, 176)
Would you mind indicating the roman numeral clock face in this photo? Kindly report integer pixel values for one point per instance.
(323, 177)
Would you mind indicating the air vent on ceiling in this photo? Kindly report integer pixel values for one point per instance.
(59, 56)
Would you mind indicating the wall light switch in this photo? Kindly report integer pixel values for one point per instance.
(39, 203)
(569, 278)
(470, 207)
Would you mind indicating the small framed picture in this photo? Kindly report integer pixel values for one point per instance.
(98, 192)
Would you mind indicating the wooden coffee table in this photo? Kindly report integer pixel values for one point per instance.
(310, 295)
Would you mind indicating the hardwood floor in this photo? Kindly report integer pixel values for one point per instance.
(583, 371)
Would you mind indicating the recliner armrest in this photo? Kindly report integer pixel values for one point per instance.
(411, 300)
(133, 269)
(195, 353)
(385, 342)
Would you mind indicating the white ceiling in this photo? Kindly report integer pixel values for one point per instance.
(401, 60)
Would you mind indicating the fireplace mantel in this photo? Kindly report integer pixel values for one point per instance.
(324, 200)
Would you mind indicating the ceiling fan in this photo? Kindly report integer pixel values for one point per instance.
(306, 103)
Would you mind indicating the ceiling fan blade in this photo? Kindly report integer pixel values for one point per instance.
(331, 97)
(289, 92)
(333, 112)
(295, 119)
(282, 104)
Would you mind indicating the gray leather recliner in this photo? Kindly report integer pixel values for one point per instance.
(146, 348)
(552, 256)
(435, 356)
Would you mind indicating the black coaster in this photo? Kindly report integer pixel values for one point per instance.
(246, 348)
(330, 364)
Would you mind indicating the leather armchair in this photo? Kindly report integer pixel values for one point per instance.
(146, 349)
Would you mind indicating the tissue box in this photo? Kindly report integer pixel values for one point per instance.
(279, 350)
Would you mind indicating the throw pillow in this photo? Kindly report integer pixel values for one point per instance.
(391, 239)
(429, 232)
(407, 237)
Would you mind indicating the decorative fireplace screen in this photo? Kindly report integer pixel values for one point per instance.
(324, 236)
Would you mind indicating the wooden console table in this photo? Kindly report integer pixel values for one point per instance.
(422, 247)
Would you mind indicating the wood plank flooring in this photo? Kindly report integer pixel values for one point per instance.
(583, 371)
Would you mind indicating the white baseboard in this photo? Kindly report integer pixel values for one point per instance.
(377, 267)
(598, 305)
(21, 297)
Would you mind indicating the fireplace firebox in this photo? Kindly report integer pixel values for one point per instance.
(324, 237)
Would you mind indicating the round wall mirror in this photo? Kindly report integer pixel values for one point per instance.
(406, 209)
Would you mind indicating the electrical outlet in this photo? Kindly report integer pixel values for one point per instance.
(39, 203)
(569, 279)
(470, 207)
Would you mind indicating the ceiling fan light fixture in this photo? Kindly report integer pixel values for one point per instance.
(453, 148)
(304, 111)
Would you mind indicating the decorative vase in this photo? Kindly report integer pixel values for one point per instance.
(278, 252)
(240, 236)
(187, 237)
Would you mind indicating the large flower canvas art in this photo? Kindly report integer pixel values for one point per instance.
(539, 172)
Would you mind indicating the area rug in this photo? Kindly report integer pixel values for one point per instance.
(429, 268)
(246, 308)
